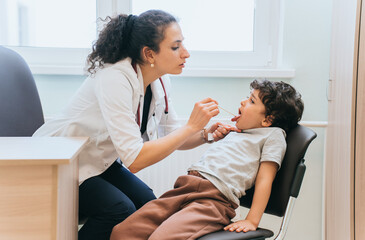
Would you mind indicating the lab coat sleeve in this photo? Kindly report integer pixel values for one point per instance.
(117, 99)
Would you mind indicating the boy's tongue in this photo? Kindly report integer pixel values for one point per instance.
(234, 119)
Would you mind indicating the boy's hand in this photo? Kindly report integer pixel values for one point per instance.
(228, 128)
(235, 129)
(219, 130)
(241, 226)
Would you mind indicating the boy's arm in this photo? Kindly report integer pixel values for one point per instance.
(263, 184)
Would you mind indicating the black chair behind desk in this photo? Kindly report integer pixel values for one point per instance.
(284, 192)
(20, 108)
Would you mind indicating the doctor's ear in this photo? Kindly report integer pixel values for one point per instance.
(148, 55)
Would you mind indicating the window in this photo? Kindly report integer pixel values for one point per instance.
(209, 25)
(44, 23)
(54, 37)
(225, 38)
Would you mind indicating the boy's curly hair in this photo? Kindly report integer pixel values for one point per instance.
(282, 102)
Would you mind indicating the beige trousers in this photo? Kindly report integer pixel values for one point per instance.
(192, 209)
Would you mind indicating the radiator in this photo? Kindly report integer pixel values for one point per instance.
(162, 175)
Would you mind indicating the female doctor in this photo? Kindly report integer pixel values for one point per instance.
(124, 108)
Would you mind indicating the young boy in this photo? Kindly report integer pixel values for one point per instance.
(205, 200)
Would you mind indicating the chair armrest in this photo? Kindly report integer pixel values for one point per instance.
(298, 178)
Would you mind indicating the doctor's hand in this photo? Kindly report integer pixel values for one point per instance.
(203, 111)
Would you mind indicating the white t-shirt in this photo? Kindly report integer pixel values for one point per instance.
(105, 110)
(232, 163)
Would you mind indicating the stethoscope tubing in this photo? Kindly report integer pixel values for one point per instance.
(165, 97)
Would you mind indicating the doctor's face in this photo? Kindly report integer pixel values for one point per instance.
(172, 55)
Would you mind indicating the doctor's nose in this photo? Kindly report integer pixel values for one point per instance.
(185, 52)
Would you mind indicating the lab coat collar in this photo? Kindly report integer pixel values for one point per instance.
(139, 77)
(125, 66)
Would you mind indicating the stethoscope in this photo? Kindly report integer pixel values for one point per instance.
(139, 104)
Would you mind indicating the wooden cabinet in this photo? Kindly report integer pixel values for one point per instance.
(39, 188)
(345, 150)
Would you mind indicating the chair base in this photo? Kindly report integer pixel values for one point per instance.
(259, 234)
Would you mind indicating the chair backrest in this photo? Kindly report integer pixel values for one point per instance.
(289, 178)
(20, 107)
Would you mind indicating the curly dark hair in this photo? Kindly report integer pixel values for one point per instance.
(282, 102)
(125, 36)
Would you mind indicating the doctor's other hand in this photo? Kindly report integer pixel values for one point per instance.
(203, 111)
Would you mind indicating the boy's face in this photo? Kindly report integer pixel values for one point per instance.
(252, 113)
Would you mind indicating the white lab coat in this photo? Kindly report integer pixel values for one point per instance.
(104, 109)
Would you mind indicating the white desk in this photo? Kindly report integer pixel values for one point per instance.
(39, 188)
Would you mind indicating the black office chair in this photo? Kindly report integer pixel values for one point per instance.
(284, 192)
(20, 107)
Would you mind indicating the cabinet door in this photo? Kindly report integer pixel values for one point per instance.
(360, 135)
(340, 139)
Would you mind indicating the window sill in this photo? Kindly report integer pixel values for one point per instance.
(188, 72)
(68, 61)
(57, 70)
(239, 72)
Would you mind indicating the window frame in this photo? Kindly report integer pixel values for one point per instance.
(263, 62)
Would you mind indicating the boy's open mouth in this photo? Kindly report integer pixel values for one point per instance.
(235, 119)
